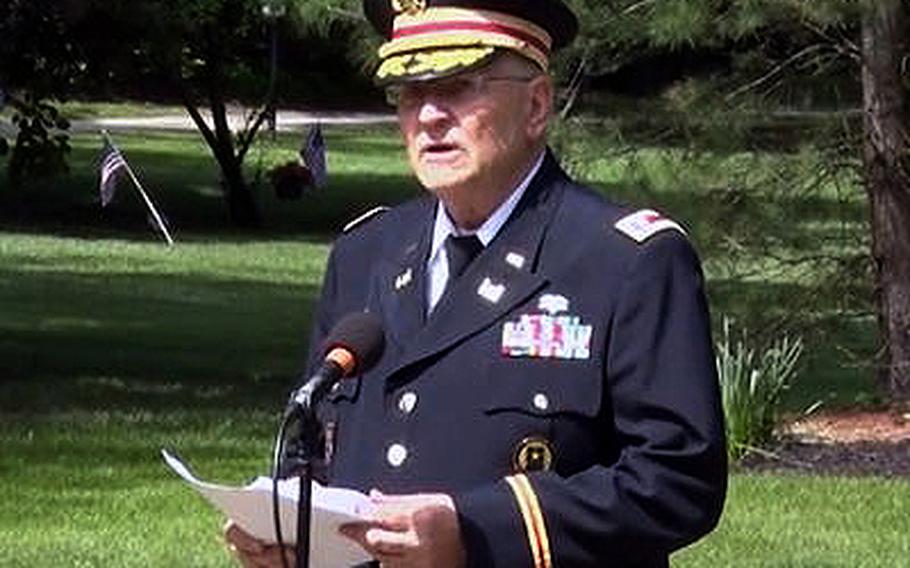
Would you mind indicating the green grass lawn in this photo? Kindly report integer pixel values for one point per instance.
(804, 521)
(88, 489)
(783, 239)
(113, 346)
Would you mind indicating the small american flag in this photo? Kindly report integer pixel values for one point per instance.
(112, 166)
(313, 154)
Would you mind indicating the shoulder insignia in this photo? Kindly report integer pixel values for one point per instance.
(642, 225)
(364, 218)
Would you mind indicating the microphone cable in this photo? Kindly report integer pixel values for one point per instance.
(360, 335)
(277, 452)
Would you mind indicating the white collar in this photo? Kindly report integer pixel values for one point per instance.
(443, 226)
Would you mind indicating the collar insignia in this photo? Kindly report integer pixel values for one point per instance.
(491, 292)
(404, 279)
(516, 260)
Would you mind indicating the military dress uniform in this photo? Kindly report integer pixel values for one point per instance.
(563, 390)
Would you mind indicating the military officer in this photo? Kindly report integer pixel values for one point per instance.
(547, 395)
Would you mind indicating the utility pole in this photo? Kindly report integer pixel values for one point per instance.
(273, 10)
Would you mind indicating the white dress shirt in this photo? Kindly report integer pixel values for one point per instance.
(438, 262)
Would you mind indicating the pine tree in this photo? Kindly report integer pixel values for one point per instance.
(778, 40)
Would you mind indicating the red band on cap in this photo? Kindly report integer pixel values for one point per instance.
(430, 28)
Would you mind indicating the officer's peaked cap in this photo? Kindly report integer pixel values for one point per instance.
(428, 39)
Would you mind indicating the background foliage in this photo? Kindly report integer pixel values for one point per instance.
(739, 118)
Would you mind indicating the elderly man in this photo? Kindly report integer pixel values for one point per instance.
(547, 396)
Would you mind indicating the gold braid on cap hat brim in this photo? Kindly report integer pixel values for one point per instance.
(440, 62)
(435, 30)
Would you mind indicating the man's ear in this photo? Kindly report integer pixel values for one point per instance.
(541, 106)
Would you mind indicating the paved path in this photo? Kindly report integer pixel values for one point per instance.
(288, 121)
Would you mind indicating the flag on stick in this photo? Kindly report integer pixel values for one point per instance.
(112, 167)
(313, 154)
(113, 163)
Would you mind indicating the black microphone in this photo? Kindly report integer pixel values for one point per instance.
(353, 346)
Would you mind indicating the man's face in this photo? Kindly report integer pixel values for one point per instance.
(469, 132)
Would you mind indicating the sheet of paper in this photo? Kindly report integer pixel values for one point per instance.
(251, 508)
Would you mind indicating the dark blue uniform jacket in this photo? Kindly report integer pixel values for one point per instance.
(625, 438)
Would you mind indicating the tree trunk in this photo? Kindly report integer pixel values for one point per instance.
(885, 156)
(242, 208)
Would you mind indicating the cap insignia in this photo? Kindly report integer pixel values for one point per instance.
(409, 7)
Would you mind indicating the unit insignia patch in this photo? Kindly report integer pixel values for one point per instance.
(642, 225)
(533, 454)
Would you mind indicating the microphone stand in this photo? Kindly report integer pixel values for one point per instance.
(299, 463)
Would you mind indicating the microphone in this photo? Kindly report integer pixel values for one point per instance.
(353, 346)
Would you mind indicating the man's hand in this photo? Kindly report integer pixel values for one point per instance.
(411, 531)
(254, 553)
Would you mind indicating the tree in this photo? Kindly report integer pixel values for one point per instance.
(885, 156)
(38, 61)
(211, 54)
(770, 43)
(200, 50)
(203, 48)
(217, 34)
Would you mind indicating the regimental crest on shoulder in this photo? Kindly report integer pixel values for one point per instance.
(642, 225)
(409, 7)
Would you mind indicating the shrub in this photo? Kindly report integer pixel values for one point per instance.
(42, 142)
(751, 387)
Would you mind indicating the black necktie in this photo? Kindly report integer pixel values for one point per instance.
(460, 251)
